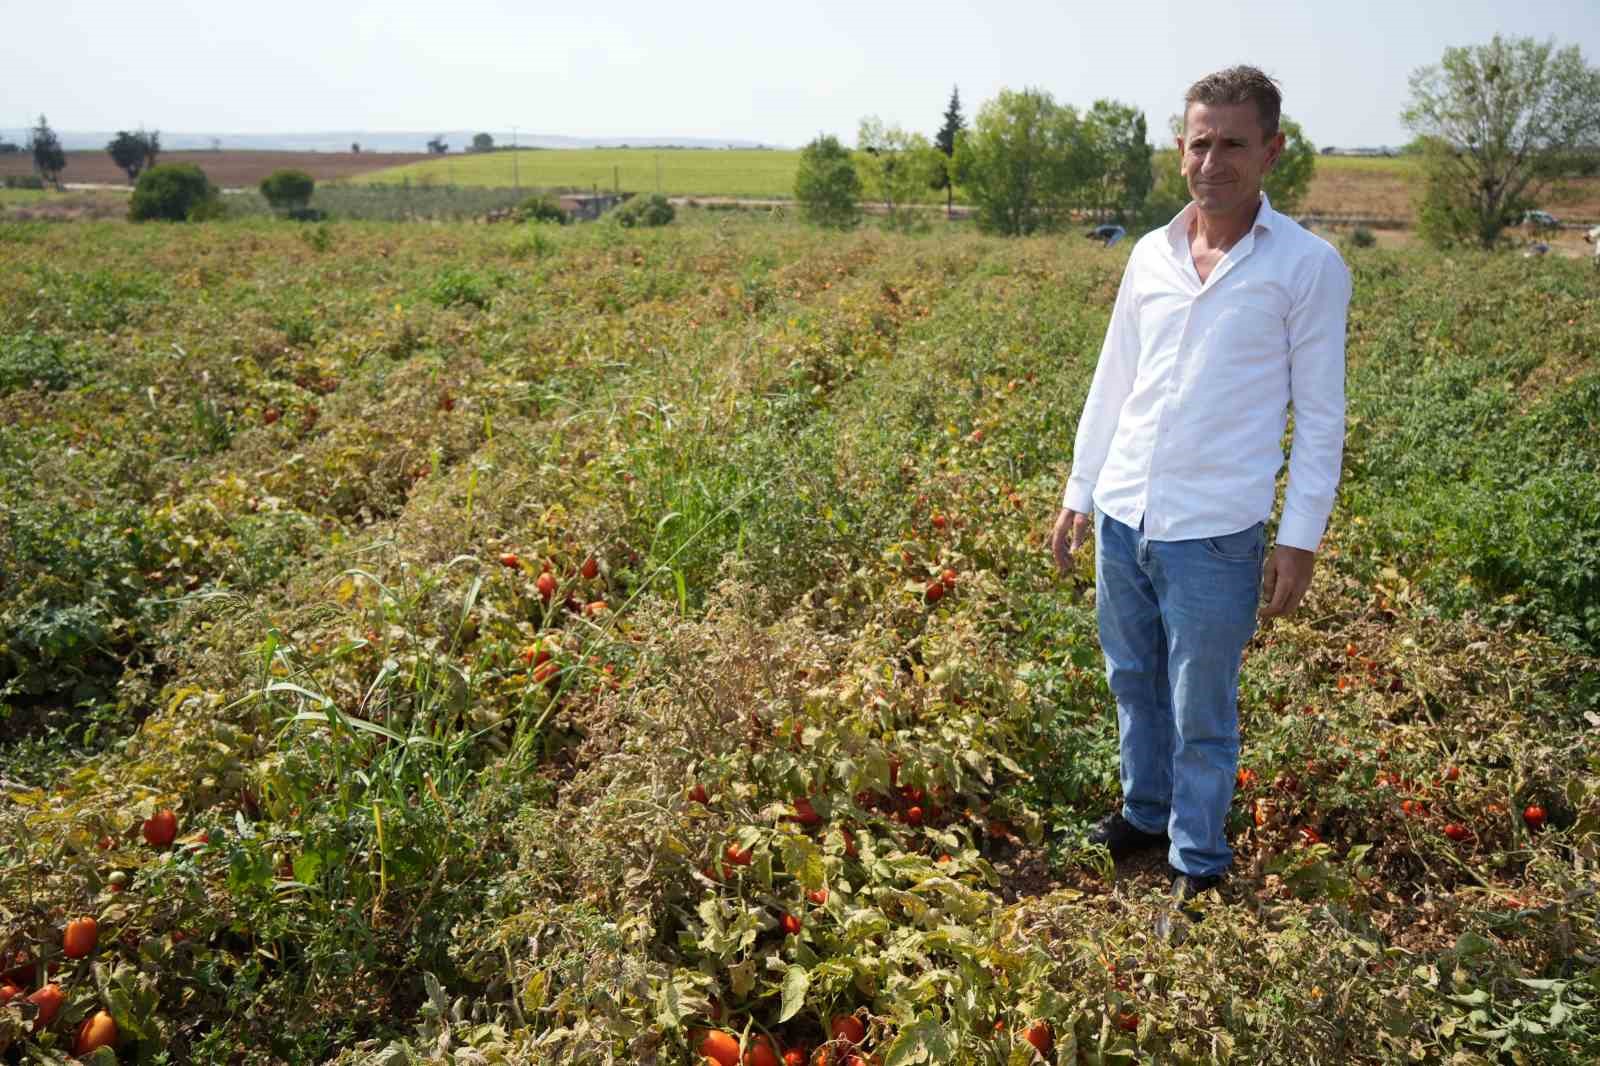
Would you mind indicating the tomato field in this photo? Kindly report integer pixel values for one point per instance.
(449, 642)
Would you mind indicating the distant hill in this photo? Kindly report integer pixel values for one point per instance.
(371, 140)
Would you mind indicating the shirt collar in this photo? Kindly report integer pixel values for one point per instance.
(1178, 228)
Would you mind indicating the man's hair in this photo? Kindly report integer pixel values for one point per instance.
(1238, 85)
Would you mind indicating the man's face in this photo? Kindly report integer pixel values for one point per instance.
(1224, 154)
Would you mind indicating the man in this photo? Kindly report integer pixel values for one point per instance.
(1223, 318)
(1593, 237)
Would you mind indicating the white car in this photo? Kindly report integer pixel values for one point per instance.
(1540, 220)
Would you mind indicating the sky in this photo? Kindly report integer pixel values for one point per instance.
(774, 73)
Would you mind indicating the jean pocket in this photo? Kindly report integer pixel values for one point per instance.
(1245, 546)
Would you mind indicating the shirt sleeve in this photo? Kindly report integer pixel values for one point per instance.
(1316, 388)
(1113, 381)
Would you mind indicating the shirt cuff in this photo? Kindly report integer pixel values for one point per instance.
(1079, 496)
(1301, 531)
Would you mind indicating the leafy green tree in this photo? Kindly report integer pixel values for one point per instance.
(48, 158)
(437, 146)
(895, 167)
(954, 123)
(130, 152)
(1500, 121)
(1119, 138)
(1025, 162)
(827, 185)
(152, 146)
(1287, 183)
(482, 142)
(172, 192)
(288, 190)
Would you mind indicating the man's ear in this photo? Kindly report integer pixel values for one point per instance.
(1275, 149)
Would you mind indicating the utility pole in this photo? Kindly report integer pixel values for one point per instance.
(516, 177)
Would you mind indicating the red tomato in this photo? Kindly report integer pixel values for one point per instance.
(914, 816)
(804, 813)
(734, 855)
(847, 1027)
(760, 1052)
(948, 577)
(720, 1047)
(1457, 832)
(546, 585)
(934, 592)
(1533, 814)
(1309, 835)
(1039, 1035)
(698, 793)
(510, 560)
(160, 828)
(590, 568)
(48, 999)
(80, 938)
(791, 925)
(97, 1031)
(819, 896)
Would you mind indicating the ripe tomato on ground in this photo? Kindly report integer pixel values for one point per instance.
(791, 925)
(546, 584)
(1039, 1035)
(160, 828)
(590, 568)
(804, 813)
(819, 896)
(737, 856)
(510, 561)
(1457, 832)
(698, 793)
(1533, 814)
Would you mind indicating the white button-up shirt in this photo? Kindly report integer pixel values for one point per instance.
(1184, 422)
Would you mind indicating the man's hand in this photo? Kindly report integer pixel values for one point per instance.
(1071, 533)
(1287, 576)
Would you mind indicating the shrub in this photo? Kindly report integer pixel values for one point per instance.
(542, 209)
(652, 210)
(23, 181)
(288, 190)
(171, 191)
(1362, 237)
(827, 185)
(29, 359)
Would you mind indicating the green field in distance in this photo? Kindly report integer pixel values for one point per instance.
(682, 172)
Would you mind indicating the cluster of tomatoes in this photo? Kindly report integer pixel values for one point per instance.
(80, 938)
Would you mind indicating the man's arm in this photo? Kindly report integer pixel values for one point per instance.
(1113, 379)
(1316, 387)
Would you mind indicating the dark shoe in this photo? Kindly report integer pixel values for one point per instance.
(1186, 887)
(1122, 838)
(1169, 925)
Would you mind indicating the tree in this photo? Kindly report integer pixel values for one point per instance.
(1500, 122)
(895, 167)
(288, 191)
(173, 192)
(48, 158)
(1289, 179)
(482, 142)
(355, 147)
(128, 151)
(1024, 162)
(954, 123)
(1119, 138)
(826, 183)
(152, 146)
(437, 146)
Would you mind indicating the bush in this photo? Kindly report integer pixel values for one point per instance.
(542, 209)
(23, 181)
(827, 185)
(1362, 237)
(288, 190)
(652, 210)
(172, 192)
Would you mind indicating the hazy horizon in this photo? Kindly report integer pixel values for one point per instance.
(719, 73)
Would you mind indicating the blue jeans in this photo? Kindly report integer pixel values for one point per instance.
(1174, 619)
